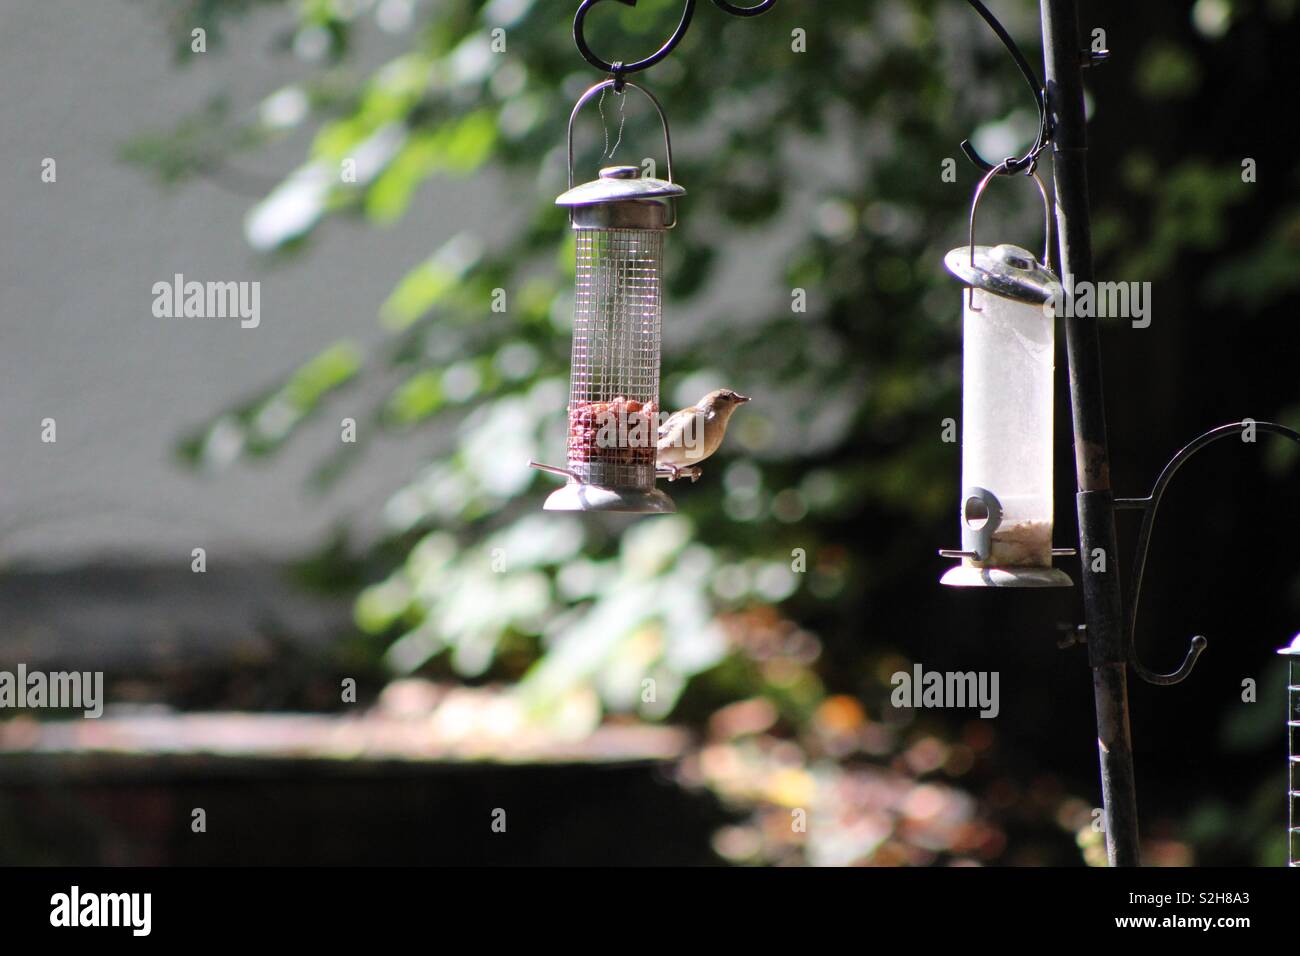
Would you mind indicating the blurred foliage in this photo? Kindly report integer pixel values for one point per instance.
(836, 153)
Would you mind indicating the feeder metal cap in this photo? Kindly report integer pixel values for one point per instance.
(1005, 270)
(621, 199)
(1292, 648)
(619, 184)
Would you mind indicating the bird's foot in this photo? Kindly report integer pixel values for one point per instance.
(672, 472)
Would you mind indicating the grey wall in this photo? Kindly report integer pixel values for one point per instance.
(78, 340)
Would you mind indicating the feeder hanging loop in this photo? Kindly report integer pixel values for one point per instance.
(613, 83)
(1047, 211)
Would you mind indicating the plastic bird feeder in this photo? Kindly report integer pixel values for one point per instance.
(1008, 359)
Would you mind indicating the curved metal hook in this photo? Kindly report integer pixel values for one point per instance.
(619, 69)
(753, 11)
(1148, 507)
(1184, 671)
(1014, 164)
(622, 69)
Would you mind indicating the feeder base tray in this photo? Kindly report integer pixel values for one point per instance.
(575, 496)
(969, 576)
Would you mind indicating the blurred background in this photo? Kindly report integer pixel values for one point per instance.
(391, 642)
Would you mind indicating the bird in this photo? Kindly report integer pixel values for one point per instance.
(692, 434)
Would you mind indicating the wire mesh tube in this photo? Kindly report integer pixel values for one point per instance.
(614, 383)
(1293, 761)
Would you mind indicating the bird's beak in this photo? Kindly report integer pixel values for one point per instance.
(742, 399)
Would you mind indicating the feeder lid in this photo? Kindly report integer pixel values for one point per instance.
(1292, 648)
(1005, 270)
(619, 184)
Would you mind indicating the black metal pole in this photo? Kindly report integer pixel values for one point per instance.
(1103, 604)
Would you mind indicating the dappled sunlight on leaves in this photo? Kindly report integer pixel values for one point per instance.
(752, 615)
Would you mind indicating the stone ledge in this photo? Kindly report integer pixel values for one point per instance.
(233, 742)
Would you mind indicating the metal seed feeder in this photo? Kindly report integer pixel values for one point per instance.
(619, 220)
(1292, 652)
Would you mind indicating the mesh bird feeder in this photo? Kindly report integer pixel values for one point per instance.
(1008, 362)
(1292, 654)
(619, 221)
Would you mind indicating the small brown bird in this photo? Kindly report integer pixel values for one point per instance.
(691, 435)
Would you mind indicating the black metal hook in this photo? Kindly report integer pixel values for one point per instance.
(1014, 164)
(619, 69)
(753, 11)
(1148, 506)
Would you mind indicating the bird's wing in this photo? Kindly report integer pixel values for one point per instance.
(670, 431)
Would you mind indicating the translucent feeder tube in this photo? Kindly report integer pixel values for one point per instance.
(1008, 362)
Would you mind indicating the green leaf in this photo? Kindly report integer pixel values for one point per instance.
(329, 370)
(425, 286)
(389, 196)
(416, 399)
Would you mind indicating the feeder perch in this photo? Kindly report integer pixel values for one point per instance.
(619, 222)
(1292, 654)
(1007, 381)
